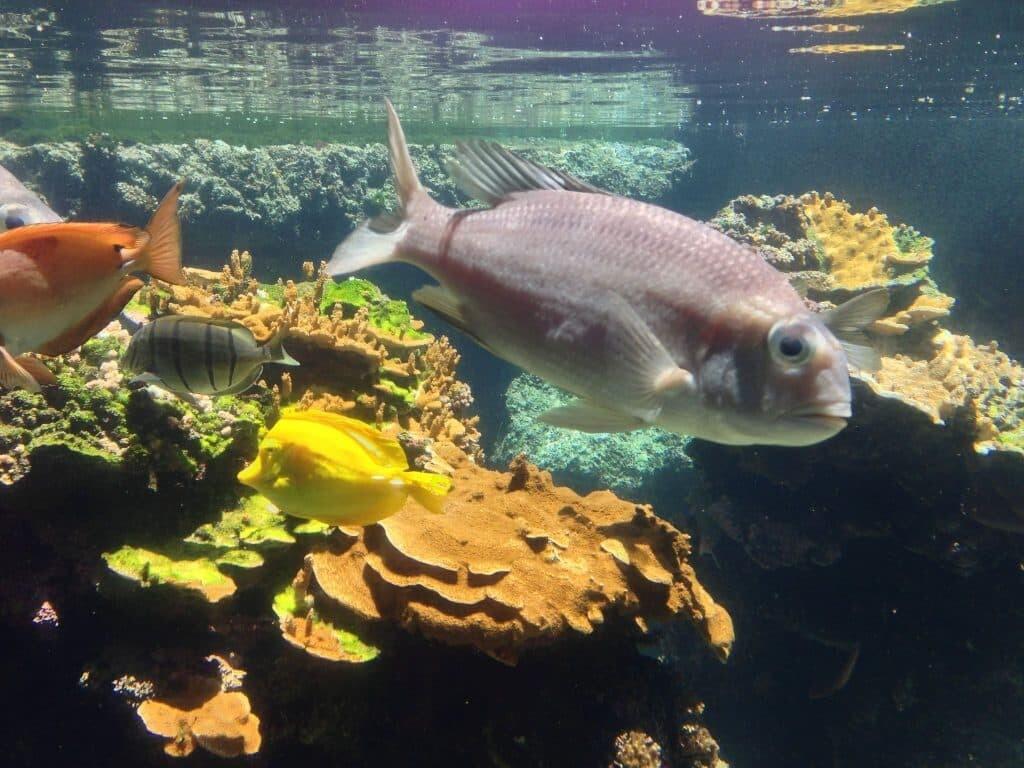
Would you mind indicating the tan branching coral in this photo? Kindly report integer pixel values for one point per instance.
(224, 725)
(382, 366)
(517, 562)
(442, 397)
(635, 749)
(696, 741)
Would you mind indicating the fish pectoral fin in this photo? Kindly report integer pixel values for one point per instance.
(586, 416)
(651, 375)
(242, 385)
(93, 323)
(487, 171)
(37, 369)
(443, 302)
(13, 374)
(147, 378)
(848, 321)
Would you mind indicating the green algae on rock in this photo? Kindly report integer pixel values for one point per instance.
(391, 316)
(255, 523)
(151, 568)
(92, 418)
(302, 627)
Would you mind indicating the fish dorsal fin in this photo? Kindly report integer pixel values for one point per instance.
(221, 322)
(848, 321)
(487, 171)
(384, 450)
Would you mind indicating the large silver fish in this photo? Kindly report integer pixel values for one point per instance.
(651, 318)
(19, 206)
(195, 355)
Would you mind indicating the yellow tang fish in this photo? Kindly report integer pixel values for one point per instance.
(341, 471)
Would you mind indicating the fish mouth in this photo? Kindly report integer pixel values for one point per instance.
(828, 415)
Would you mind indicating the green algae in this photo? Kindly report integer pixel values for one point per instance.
(406, 396)
(391, 316)
(254, 523)
(290, 605)
(240, 558)
(92, 418)
(149, 568)
(911, 242)
(312, 528)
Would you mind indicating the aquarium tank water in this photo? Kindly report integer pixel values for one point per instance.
(512, 383)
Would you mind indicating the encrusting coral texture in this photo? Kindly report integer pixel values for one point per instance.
(517, 562)
(224, 725)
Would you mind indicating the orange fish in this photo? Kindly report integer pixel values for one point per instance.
(61, 283)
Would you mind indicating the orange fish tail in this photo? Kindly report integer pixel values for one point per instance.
(161, 258)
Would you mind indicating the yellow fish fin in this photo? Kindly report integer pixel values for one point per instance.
(428, 489)
(383, 450)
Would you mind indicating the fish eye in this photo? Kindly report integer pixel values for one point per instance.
(13, 221)
(790, 344)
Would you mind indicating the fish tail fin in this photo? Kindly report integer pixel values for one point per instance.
(376, 241)
(848, 321)
(274, 350)
(162, 255)
(429, 489)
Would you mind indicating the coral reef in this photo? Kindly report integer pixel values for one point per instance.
(635, 749)
(956, 404)
(651, 465)
(225, 725)
(834, 254)
(516, 562)
(149, 568)
(92, 421)
(155, 546)
(274, 197)
(359, 350)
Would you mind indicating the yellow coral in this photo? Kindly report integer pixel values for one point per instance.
(857, 246)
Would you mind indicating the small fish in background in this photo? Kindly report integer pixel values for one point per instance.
(649, 317)
(20, 207)
(61, 283)
(338, 470)
(200, 356)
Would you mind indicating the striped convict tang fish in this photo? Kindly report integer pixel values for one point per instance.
(197, 355)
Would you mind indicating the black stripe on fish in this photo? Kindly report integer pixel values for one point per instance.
(176, 354)
(208, 355)
(233, 358)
